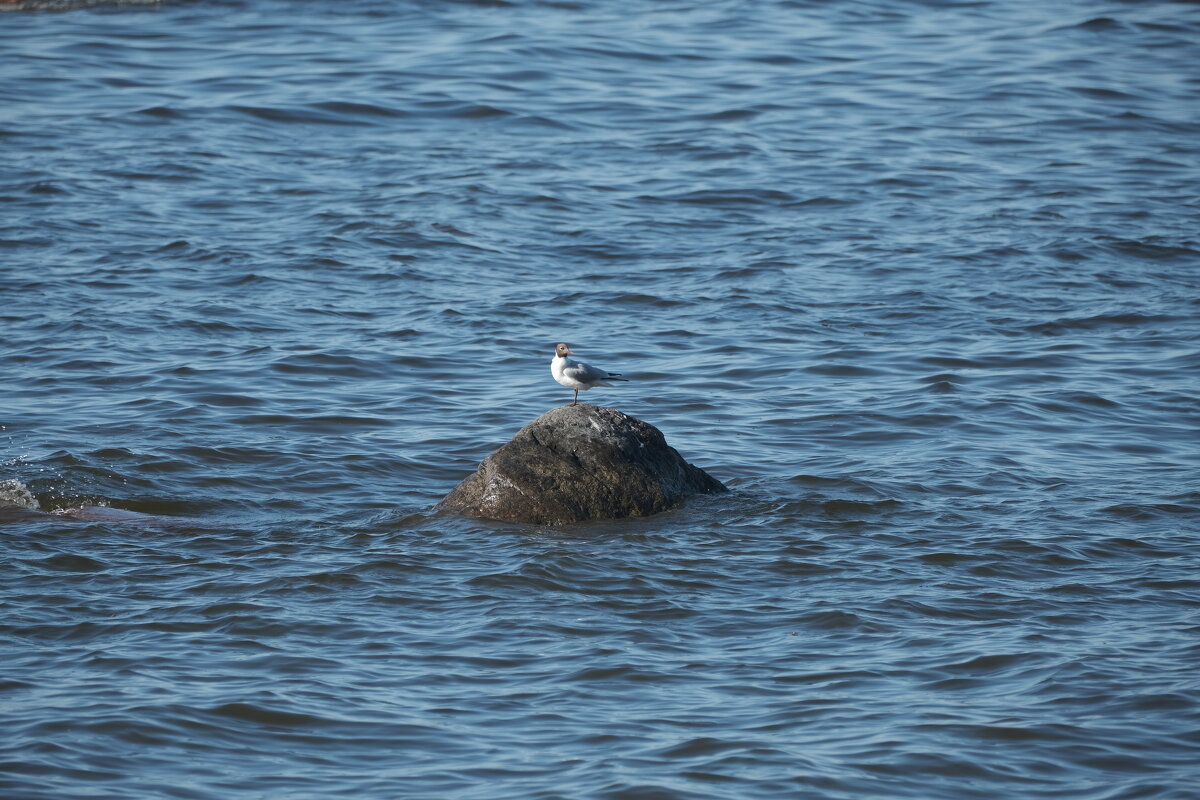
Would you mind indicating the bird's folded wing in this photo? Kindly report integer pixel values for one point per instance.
(585, 374)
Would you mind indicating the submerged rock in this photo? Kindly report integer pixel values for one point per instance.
(578, 463)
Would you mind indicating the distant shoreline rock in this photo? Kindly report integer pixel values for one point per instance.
(69, 5)
(579, 463)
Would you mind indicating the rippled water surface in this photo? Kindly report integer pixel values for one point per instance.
(919, 281)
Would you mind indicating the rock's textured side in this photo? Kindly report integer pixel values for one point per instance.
(14, 494)
(578, 463)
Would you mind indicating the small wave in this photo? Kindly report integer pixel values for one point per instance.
(727, 197)
(727, 114)
(162, 112)
(1154, 251)
(248, 712)
(839, 508)
(842, 370)
(1145, 511)
(1099, 24)
(308, 115)
(343, 365)
(1098, 322)
(357, 109)
(67, 562)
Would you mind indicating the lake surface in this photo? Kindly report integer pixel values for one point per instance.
(919, 281)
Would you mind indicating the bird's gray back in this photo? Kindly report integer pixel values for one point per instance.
(585, 373)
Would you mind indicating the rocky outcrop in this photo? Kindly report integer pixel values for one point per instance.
(578, 463)
(14, 494)
(69, 5)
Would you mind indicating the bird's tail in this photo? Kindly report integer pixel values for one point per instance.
(616, 376)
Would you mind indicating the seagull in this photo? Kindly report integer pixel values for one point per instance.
(576, 375)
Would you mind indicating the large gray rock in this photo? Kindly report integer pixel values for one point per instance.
(578, 463)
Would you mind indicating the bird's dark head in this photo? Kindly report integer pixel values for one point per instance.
(561, 349)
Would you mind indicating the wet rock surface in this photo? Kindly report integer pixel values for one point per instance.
(578, 463)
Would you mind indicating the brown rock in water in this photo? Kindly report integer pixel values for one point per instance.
(578, 463)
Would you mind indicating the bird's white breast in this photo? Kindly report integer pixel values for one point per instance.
(557, 365)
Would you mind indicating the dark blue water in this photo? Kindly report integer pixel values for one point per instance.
(920, 281)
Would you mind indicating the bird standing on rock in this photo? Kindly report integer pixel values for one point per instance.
(577, 375)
